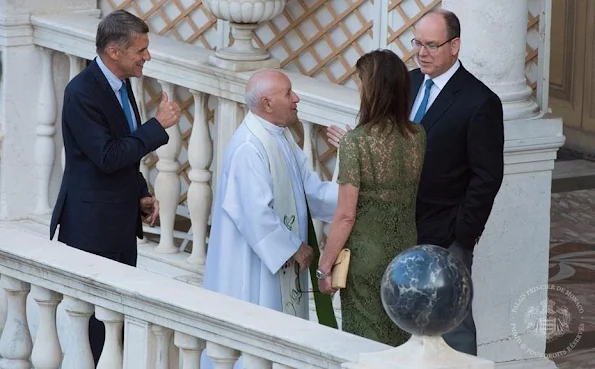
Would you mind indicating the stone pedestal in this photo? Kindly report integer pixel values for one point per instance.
(420, 353)
(243, 65)
(244, 17)
(511, 261)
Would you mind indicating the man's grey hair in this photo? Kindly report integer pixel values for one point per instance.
(258, 86)
(118, 28)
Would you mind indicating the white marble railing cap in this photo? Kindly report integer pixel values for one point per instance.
(174, 304)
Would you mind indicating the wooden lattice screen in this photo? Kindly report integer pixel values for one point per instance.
(319, 38)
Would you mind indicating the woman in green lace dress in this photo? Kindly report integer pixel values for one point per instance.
(380, 164)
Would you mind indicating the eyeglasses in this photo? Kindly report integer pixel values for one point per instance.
(431, 47)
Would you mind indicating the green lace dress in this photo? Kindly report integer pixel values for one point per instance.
(386, 168)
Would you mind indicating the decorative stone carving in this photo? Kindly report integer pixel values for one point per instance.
(244, 16)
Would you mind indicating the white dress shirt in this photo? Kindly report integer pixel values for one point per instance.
(439, 83)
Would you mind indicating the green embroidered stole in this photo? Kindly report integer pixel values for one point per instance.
(324, 303)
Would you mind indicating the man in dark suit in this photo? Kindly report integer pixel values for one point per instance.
(464, 161)
(464, 164)
(104, 198)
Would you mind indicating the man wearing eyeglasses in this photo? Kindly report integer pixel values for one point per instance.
(463, 166)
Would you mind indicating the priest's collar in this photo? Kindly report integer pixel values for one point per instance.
(269, 126)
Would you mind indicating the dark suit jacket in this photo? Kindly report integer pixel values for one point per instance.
(98, 205)
(464, 162)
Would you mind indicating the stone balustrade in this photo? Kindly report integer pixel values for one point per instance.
(175, 64)
(165, 321)
(42, 47)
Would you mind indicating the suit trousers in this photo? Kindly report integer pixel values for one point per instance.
(463, 338)
(96, 327)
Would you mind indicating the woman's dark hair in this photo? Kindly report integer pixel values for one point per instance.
(385, 92)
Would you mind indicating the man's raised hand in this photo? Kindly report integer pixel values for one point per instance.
(149, 207)
(168, 112)
(334, 134)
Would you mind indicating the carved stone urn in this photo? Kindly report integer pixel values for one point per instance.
(244, 16)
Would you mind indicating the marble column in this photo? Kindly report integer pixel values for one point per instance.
(511, 260)
(493, 42)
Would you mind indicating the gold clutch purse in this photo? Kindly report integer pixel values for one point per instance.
(340, 269)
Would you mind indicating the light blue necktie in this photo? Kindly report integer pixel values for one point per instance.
(421, 111)
(126, 106)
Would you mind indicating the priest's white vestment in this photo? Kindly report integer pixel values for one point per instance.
(249, 243)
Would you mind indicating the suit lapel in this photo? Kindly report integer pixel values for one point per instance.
(444, 100)
(120, 125)
(417, 78)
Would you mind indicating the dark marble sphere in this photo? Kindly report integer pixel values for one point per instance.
(426, 290)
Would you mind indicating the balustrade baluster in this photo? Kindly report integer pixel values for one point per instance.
(76, 66)
(15, 344)
(191, 348)
(200, 197)
(78, 353)
(223, 357)
(3, 309)
(112, 354)
(255, 362)
(47, 353)
(228, 117)
(167, 183)
(138, 88)
(44, 145)
(310, 149)
(307, 147)
(163, 337)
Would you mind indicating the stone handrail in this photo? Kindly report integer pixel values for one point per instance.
(145, 296)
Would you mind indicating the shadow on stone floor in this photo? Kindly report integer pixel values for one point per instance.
(572, 266)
